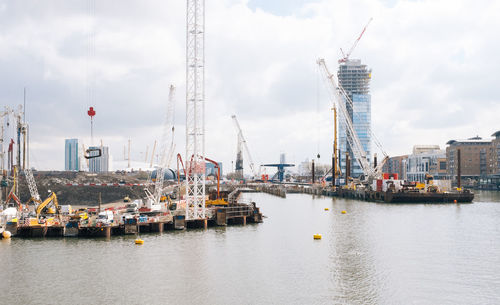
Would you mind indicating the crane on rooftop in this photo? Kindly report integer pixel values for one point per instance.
(345, 56)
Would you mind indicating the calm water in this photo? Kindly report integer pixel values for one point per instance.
(374, 254)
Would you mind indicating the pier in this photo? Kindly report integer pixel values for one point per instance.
(239, 214)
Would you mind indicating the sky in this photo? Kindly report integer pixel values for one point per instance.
(434, 68)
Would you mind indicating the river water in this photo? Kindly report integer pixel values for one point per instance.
(373, 254)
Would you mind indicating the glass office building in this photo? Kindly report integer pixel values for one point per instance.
(355, 79)
(71, 158)
(99, 164)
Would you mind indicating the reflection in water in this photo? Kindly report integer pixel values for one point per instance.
(352, 264)
(374, 254)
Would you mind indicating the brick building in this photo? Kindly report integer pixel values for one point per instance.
(396, 165)
(476, 157)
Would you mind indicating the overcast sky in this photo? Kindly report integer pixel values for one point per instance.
(435, 72)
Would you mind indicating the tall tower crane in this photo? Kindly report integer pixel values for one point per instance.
(243, 142)
(340, 95)
(195, 109)
(346, 55)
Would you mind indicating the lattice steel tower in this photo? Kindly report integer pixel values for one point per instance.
(195, 109)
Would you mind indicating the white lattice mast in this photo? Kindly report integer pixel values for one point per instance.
(195, 109)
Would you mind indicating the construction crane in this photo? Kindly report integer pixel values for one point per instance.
(12, 194)
(166, 147)
(243, 142)
(195, 110)
(30, 180)
(238, 167)
(341, 98)
(218, 175)
(345, 56)
(52, 198)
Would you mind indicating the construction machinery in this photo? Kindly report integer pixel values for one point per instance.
(218, 200)
(341, 100)
(12, 193)
(195, 110)
(239, 158)
(345, 56)
(46, 204)
(166, 150)
(30, 180)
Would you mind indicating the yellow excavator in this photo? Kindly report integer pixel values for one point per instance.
(45, 203)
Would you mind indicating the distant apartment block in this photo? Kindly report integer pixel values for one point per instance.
(476, 156)
(99, 164)
(396, 165)
(480, 159)
(492, 181)
(426, 159)
(71, 157)
(495, 160)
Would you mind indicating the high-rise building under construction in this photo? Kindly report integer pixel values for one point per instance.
(355, 79)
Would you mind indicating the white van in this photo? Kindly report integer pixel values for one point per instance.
(105, 217)
(134, 206)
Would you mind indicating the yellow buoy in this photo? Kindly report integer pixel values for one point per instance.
(326, 209)
(139, 241)
(6, 234)
(343, 212)
(317, 236)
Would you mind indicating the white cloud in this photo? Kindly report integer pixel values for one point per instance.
(434, 72)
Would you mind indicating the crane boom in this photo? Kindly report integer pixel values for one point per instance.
(247, 151)
(340, 96)
(166, 147)
(31, 184)
(45, 203)
(346, 56)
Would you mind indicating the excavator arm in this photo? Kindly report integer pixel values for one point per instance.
(218, 174)
(45, 203)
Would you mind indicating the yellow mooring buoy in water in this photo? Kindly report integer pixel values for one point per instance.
(6, 234)
(343, 212)
(317, 236)
(326, 209)
(139, 241)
